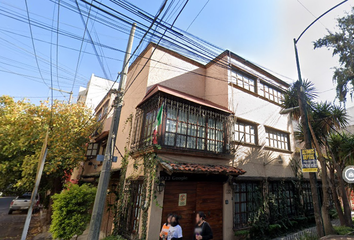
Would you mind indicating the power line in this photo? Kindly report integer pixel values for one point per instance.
(34, 48)
(82, 42)
(197, 15)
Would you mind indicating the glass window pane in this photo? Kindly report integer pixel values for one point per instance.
(170, 139)
(201, 143)
(171, 113)
(191, 142)
(170, 126)
(182, 128)
(181, 141)
(192, 130)
(201, 132)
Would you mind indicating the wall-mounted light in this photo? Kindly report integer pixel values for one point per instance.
(280, 159)
(160, 187)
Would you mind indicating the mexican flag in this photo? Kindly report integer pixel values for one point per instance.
(157, 124)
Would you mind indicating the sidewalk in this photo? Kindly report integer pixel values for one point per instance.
(310, 231)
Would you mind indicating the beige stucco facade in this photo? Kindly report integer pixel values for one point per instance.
(211, 82)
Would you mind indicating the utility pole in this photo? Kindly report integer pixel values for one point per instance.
(307, 137)
(59, 90)
(40, 168)
(100, 200)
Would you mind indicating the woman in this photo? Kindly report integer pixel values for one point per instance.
(166, 227)
(175, 231)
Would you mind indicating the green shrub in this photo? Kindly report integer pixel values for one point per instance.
(114, 238)
(308, 237)
(274, 230)
(242, 232)
(71, 211)
(343, 230)
(333, 213)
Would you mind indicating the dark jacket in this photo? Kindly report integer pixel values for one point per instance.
(205, 232)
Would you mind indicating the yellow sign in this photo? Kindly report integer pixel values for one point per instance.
(182, 200)
(309, 160)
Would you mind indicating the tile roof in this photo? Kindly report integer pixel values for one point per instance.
(201, 168)
(159, 88)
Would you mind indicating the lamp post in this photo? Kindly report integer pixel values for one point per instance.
(306, 130)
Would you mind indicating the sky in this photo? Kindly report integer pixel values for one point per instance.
(259, 31)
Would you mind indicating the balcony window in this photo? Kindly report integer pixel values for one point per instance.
(184, 126)
(243, 80)
(277, 139)
(186, 129)
(92, 149)
(270, 93)
(245, 132)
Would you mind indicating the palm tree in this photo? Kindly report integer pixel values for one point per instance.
(341, 149)
(291, 100)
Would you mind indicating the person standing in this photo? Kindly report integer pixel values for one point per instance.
(175, 231)
(166, 227)
(202, 230)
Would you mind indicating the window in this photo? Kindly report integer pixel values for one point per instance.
(150, 118)
(243, 81)
(246, 196)
(136, 188)
(284, 201)
(270, 93)
(92, 149)
(277, 139)
(187, 129)
(307, 195)
(244, 132)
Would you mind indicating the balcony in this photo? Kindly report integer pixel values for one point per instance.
(190, 126)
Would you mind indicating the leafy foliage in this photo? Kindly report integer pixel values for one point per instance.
(22, 130)
(71, 211)
(343, 230)
(342, 44)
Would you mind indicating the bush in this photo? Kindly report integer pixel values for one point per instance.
(114, 238)
(242, 232)
(274, 230)
(71, 211)
(333, 213)
(343, 230)
(309, 237)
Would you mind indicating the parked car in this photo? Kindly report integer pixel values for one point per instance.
(23, 202)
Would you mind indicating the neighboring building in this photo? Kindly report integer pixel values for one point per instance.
(95, 90)
(222, 141)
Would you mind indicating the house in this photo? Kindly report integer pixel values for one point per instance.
(96, 89)
(221, 140)
(221, 143)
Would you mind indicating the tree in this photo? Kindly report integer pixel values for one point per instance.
(22, 130)
(323, 118)
(296, 98)
(71, 211)
(340, 147)
(342, 44)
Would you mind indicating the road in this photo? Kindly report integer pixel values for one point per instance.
(11, 225)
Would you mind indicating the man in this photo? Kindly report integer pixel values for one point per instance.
(202, 229)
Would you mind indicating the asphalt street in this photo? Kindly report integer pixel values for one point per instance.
(10, 225)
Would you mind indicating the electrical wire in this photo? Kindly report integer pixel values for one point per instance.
(82, 42)
(33, 45)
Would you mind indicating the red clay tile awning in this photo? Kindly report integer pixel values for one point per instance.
(200, 168)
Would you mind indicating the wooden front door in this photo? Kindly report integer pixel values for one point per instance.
(201, 196)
